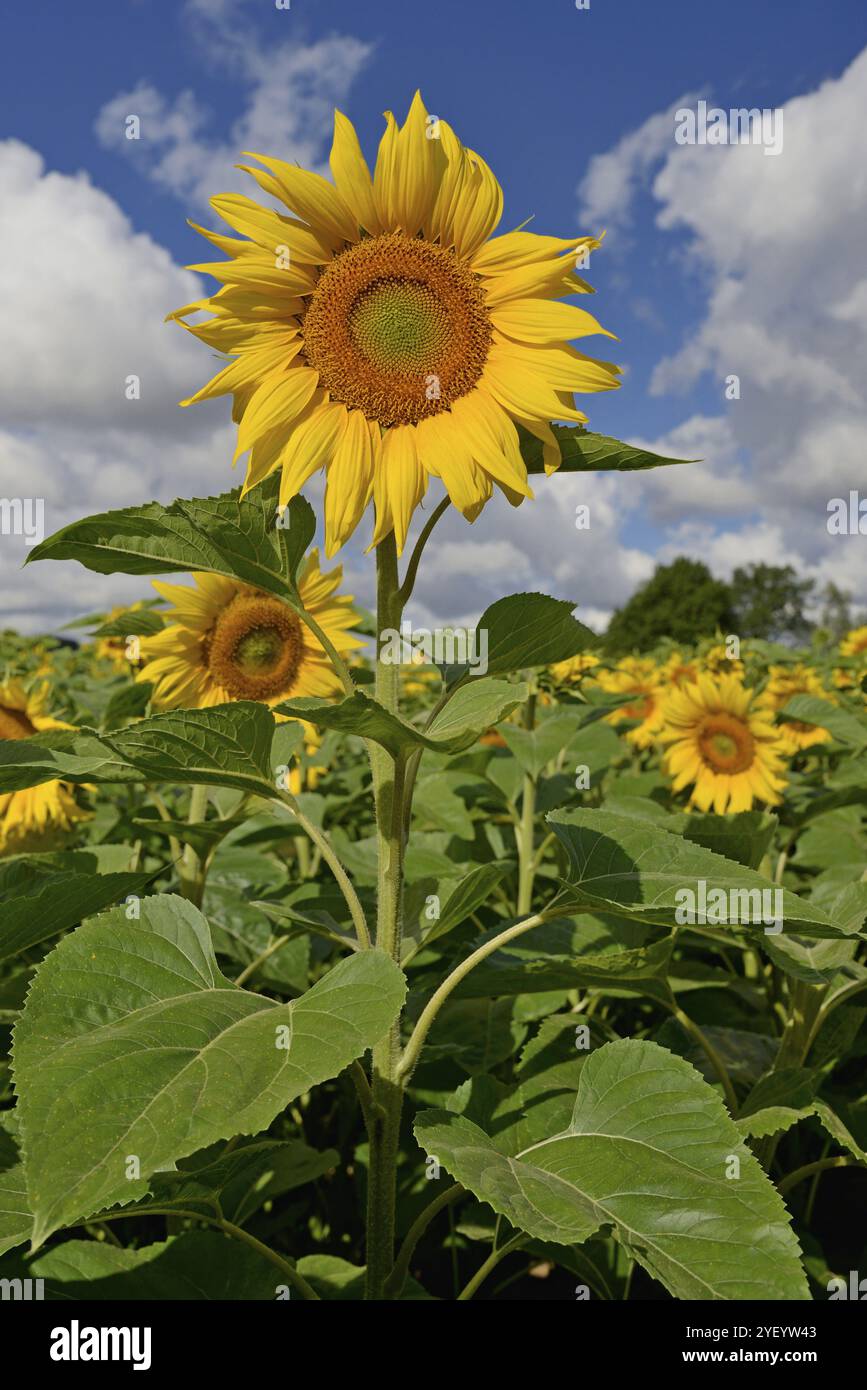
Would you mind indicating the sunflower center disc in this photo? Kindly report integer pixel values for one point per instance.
(255, 648)
(397, 328)
(14, 723)
(726, 744)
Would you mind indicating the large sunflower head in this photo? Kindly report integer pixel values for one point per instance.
(377, 328)
(639, 678)
(784, 683)
(37, 817)
(722, 743)
(227, 641)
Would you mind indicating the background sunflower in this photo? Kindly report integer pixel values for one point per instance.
(227, 641)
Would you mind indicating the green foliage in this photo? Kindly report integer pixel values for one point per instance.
(681, 601)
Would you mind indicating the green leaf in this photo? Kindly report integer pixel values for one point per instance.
(526, 630)
(157, 1054)
(841, 724)
(582, 451)
(461, 900)
(195, 1265)
(636, 869)
(16, 1218)
(535, 748)
(471, 711)
(218, 535)
(646, 1154)
(546, 959)
(58, 903)
(236, 1184)
(225, 746)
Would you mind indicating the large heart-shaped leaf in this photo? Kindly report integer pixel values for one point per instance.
(229, 535)
(637, 869)
(649, 1154)
(59, 902)
(525, 630)
(225, 746)
(125, 1066)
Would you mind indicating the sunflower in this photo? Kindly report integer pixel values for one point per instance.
(574, 669)
(639, 678)
(36, 816)
(115, 649)
(718, 661)
(678, 671)
(784, 682)
(723, 744)
(227, 641)
(383, 333)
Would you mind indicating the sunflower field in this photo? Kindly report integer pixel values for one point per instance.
(344, 961)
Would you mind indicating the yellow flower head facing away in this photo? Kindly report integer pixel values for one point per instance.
(35, 817)
(227, 641)
(379, 330)
(720, 741)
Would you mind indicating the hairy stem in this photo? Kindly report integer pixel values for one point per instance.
(396, 1280)
(388, 787)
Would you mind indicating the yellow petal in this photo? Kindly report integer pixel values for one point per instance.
(278, 401)
(479, 207)
(352, 176)
(492, 439)
(350, 478)
(514, 249)
(311, 446)
(399, 484)
(444, 452)
(544, 321)
(312, 198)
(409, 167)
(270, 229)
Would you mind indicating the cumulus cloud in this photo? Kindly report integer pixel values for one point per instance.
(615, 177)
(779, 244)
(82, 311)
(290, 91)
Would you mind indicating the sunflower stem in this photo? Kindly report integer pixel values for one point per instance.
(192, 869)
(388, 786)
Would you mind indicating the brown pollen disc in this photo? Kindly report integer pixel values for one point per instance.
(726, 744)
(256, 648)
(398, 328)
(14, 723)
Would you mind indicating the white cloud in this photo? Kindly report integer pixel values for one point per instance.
(613, 178)
(779, 243)
(84, 300)
(291, 88)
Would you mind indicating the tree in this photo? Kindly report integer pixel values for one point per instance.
(681, 601)
(769, 602)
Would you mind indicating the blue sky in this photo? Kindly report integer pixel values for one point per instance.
(561, 103)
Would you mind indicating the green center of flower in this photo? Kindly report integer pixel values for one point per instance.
(400, 326)
(259, 650)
